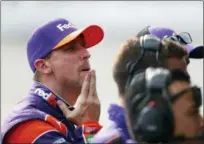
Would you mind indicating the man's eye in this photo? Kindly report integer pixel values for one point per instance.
(70, 47)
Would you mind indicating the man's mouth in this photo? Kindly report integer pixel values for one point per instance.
(85, 69)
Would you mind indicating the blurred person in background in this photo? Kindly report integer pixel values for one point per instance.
(163, 106)
(58, 57)
(184, 38)
(137, 54)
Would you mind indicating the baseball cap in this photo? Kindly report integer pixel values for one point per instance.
(55, 34)
(162, 32)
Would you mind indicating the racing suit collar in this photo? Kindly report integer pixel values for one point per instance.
(46, 94)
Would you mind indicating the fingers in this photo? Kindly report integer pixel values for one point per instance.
(85, 86)
(81, 100)
(92, 86)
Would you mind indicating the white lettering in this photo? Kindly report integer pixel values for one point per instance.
(40, 92)
(65, 26)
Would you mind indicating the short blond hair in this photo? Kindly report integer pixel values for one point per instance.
(37, 76)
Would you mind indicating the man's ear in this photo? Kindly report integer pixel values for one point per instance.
(43, 66)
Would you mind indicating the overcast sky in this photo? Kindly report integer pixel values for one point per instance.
(120, 20)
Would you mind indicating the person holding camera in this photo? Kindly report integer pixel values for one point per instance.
(163, 106)
(137, 53)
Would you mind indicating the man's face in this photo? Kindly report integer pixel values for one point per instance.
(70, 63)
(187, 118)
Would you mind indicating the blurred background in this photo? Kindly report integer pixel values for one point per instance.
(119, 19)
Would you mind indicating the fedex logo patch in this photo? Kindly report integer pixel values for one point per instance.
(40, 92)
(49, 97)
(62, 27)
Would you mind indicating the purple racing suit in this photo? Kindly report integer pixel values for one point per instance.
(41, 104)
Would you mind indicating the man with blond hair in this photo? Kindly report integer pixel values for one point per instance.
(58, 56)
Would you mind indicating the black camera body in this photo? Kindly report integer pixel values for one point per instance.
(149, 112)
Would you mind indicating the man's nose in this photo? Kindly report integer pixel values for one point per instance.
(85, 54)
